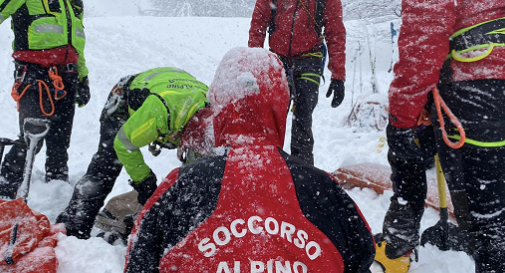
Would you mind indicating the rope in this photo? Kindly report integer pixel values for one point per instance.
(312, 17)
(58, 86)
(440, 105)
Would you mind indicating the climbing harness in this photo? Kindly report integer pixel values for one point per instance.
(478, 42)
(57, 91)
(309, 76)
(486, 35)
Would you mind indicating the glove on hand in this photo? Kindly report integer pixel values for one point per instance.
(402, 142)
(83, 94)
(145, 188)
(337, 87)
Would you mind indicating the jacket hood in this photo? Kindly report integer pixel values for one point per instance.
(249, 97)
(198, 134)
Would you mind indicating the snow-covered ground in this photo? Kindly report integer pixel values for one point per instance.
(118, 46)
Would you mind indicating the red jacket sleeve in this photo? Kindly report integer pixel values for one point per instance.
(334, 31)
(423, 46)
(259, 23)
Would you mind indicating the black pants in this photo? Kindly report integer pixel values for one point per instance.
(480, 106)
(304, 90)
(402, 221)
(57, 139)
(92, 189)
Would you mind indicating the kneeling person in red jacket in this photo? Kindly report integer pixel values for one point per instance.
(251, 207)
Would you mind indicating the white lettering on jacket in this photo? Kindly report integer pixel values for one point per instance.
(255, 225)
(269, 267)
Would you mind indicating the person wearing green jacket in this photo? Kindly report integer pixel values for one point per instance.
(50, 77)
(149, 108)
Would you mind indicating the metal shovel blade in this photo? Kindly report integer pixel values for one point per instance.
(445, 235)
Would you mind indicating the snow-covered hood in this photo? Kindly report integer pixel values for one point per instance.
(249, 97)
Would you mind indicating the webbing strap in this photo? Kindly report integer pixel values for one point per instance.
(318, 54)
(307, 77)
(478, 34)
(318, 20)
(485, 35)
(271, 24)
(484, 144)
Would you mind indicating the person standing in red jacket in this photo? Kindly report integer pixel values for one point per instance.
(458, 47)
(256, 209)
(297, 31)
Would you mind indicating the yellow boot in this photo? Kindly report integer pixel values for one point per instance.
(398, 265)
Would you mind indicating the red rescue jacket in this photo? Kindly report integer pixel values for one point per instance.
(252, 207)
(295, 30)
(424, 45)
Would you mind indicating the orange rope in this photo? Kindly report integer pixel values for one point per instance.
(58, 86)
(424, 118)
(42, 83)
(440, 105)
(57, 83)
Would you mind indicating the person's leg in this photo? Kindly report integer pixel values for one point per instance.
(479, 106)
(306, 85)
(400, 235)
(486, 193)
(403, 217)
(92, 189)
(13, 165)
(58, 137)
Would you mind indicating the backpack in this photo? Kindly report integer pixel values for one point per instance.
(318, 24)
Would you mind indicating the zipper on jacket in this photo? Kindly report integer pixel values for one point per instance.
(69, 28)
(292, 29)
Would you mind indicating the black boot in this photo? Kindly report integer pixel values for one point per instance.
(79, 216)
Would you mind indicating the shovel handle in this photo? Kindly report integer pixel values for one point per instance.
(442, 196)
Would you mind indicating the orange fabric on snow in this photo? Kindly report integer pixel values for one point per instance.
(33, 250)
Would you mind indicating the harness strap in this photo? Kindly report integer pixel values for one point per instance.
(57, 83)
(318, 19)
(494, 144)
(481, 34)
(486, 35)
(317, 24)
(307, 77)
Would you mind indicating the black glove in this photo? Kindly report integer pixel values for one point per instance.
(145, 188)
(337, 87)
(402, 142)
(82, 97)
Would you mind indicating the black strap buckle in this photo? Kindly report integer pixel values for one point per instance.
(68, 68)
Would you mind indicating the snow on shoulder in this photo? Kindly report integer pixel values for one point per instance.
(243, 72)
